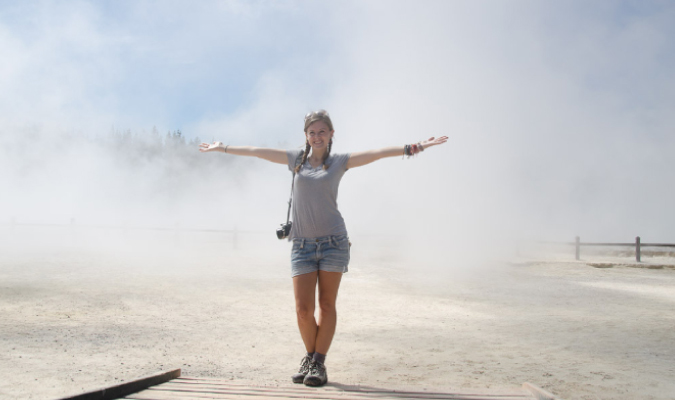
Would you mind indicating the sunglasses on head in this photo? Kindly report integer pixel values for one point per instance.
(320, 113)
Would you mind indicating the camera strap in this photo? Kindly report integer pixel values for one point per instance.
(290, 200)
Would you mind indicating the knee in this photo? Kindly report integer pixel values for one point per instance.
(327, 307)
(304, 311)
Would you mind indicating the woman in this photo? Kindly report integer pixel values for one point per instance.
(320, 252)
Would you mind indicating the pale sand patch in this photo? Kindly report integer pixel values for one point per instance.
(73, 320)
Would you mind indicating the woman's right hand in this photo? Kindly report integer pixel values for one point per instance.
(215, 146)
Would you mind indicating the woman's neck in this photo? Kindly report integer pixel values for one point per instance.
(317, 155)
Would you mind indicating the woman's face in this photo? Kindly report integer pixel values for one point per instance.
(318, 135)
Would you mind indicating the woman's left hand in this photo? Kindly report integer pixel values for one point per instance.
(215, 146)
(433, 141)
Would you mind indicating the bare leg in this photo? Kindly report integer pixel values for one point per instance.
(329, 283)
(304, 287)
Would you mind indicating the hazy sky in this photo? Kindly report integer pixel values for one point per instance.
(559, 113)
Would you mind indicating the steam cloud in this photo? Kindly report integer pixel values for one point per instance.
(559, 115)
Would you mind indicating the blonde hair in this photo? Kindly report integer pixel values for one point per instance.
(310, 118)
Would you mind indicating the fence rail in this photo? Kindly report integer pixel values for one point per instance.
(638, 245)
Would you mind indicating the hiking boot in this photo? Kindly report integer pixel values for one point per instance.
(317, 374)
(303, 371)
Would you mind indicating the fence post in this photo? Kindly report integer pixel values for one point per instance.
(637, 248)
(578, 247)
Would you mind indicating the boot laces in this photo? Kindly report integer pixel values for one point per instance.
(316, 368)
(305, 365)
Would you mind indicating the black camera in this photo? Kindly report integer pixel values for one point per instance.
(285, 230)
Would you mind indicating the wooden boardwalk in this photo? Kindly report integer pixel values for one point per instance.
(197, 388)
(171, 386)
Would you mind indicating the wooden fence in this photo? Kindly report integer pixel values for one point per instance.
(637, 245)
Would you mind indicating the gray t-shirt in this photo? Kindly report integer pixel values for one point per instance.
(315, 213)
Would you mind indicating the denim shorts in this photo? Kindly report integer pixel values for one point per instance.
(327, 253)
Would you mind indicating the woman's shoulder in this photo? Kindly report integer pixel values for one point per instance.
(294, 157)
(339, 158)
(295, 152)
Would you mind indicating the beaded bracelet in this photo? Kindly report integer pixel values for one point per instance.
(412, 149)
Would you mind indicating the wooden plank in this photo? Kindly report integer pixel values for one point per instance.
(300, 392)
(172, 390)
(221, 396)
(183, 396)
(171, 395)
(221, 382)
(328, 391)
(126, 388)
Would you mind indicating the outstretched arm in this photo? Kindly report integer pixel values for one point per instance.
(366, 157)
(273, 155)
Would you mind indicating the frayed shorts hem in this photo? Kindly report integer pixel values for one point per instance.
(301, 271)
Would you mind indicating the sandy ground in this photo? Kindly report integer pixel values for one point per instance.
(75, 317)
